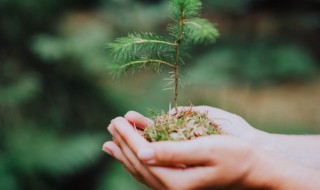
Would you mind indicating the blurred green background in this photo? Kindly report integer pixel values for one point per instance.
(57, 98)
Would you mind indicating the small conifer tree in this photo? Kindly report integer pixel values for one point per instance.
(140, 50)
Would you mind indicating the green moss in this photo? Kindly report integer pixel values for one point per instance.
(181, 126)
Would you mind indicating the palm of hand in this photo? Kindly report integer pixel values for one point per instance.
(230, 124)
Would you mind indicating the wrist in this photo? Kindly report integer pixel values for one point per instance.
(268, 142)
(263, 172)
(263, 140)
(268, 171)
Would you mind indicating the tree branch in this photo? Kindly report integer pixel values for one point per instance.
(147, 61)
(150, 41)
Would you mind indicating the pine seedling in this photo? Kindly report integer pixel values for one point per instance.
(148, 50)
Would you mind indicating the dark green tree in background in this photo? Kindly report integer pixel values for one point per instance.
(52, 112)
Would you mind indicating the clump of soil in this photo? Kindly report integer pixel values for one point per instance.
(181, 126)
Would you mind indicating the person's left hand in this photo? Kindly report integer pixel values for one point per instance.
(206, 162)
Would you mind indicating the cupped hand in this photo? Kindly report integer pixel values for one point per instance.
(206, 162)
(230, 161)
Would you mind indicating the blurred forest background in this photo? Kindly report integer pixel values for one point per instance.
(57, 98)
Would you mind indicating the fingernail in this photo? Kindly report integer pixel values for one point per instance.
(106, 150)
(111, 131)
(128, 113)
(146, 154)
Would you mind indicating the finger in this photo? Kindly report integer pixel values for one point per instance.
(193, 152)
(129, 135)
(111, 130)
(118, 154)
(140, 121)
(114, 150)
(133, 162)
(193, 178)
(164, 153)
(142, 171)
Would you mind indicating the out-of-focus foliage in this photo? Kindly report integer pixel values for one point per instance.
(56, 96)
(258, 65)
(234, 7)
(84, 46)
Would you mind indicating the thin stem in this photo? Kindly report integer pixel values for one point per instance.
(177, 56)
(146, 61)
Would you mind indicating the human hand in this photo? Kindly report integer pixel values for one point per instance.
(220, 161)
(234, 162)
(129, 143)
(302, 149)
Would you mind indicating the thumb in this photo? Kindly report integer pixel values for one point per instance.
(192, 152)
(139, 120)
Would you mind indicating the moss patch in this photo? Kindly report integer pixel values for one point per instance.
(181, 126)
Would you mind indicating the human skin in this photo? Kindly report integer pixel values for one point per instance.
(303, 149)
(226, 162)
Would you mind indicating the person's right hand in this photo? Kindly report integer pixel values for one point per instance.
(233, 125)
